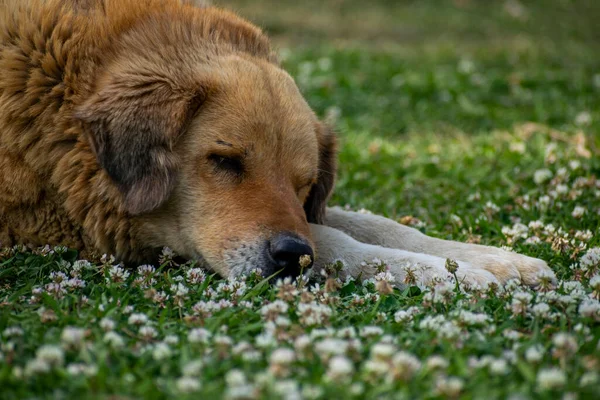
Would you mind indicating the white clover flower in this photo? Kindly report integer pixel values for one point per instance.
(137, 319)
(562, 189)
(499, 366)
(78, 369)
(591, 259)
(107, 324)
(195, 276)
(348, 332)
(117, 274)
(330, 346)
(187, 384)
(473, 319)
(222, 341)
(491, 208)
(589, 378)
(52, 355)
(578, 212)
(455, 219)
(313, 313)
(235, 378)
(436, 362)
(404, 366)
(595, 282)
(114, 340)
(370, 331)
(590, 308)
(161, 351)
(72, 336)
(551, 378)
(384, 276)
(283, 356)
(511, 334)
(147, 332)
(171, 339)
(56, 290)
(573, 287)
(280, 362)
(58, 276)
(583, 118)
(383, 351)
(199, 335)
(542, 175)
(533, 240)
(74, 283)
(36, 367)
(535, 225)
(312, 392)
(449, 386)
(517, 231)
(240, 348)
(584, 236)
(376, 367)
(302, 344)
(541, 310)
(12, 331)
(241, 392)
(146, 270)
(565, 343)
(340, 369)
(403, 316)
(265, 340)
(251, 356)
(179, 290)
(288, 389)
(274, 309)
(192, 368)
(80, 265)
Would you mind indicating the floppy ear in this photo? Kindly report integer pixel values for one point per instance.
(133, 122)
(316, 204)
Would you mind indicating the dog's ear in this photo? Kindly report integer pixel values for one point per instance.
(316, 203)
(133, 122)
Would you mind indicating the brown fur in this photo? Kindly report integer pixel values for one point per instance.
(112, 111)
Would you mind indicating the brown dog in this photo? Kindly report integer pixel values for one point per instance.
(130, 125)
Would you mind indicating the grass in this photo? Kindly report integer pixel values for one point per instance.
(468, 120)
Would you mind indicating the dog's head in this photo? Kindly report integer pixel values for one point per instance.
(217, 156)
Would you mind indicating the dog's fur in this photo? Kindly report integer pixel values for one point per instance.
(129, 125)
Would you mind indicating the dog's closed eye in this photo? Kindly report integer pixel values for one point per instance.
(227, 164)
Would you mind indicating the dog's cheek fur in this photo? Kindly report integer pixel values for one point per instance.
(316, 203)
(133, 123)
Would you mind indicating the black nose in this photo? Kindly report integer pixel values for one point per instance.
(287, 251)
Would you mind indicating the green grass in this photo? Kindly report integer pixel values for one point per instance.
(441, 108)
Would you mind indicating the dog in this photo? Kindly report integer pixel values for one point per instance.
(131, 125)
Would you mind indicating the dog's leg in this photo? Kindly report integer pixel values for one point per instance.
(333, 245)
(377, 230)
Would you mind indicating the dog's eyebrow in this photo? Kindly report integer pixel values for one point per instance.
(223, 143)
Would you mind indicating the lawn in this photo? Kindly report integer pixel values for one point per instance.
(472, 120)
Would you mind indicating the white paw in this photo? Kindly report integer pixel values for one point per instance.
(505, 265)
(471, 275)
(425, 269)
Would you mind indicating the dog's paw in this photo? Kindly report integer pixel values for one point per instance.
(506, 266)
(470, 275)
(532, 270)
(425, 270)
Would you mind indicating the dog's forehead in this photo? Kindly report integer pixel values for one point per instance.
(258, 100)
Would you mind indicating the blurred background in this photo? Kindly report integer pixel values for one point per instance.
(421, 89)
